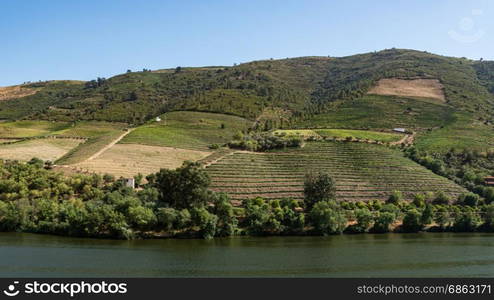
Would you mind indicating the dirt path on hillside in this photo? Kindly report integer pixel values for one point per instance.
(109, 145)
(407, 140)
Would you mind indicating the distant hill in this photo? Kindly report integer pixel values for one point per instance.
(293, 92)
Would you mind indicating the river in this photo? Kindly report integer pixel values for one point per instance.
(367, 255)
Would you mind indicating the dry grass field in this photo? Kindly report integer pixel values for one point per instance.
(45, 149)
(16, 91)
(422, 88)
(129, 159)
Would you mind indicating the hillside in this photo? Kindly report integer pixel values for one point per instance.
(303, 86)
(445, 104)
(301, 92)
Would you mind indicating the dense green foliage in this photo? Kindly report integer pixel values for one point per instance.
(465, 167)
(33, 199)
(179, 203)
(255, 141)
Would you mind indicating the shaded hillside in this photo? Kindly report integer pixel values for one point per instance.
(485, 73)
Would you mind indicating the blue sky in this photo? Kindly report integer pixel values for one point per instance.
(69, 39)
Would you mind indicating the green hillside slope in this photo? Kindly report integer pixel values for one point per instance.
(306, 92)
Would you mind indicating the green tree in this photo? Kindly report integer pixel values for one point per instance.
(419, 200)
(138, 179)
(206, 222)
(466, 221)
(327, 218)
(383, 222)
(184, 219)
(184, 187)
(489, 194)
(223, 209)
(257, 214)
(167, 217)
(364, 220)
(469, 199)
(141, 217)
(488, 218)
(395, 197)
(317, 188)
(442, 217)
(427, 215)
(412, 221)
(441, 198)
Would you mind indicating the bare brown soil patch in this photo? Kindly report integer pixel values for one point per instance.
(16, 91)
(423, 88)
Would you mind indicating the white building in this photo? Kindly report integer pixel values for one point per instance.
(130, 182)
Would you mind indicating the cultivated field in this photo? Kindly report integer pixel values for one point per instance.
(98, 135)
(423, 88)
(188, 130)
(45, 149)
(30, 128)
(129, 159)
(362, 172)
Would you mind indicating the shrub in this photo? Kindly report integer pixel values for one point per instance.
(419, 200)
(466, 222)
(469, 199)
(364, 220)
(489, 194)
(167, 217)
(383, 222)
(142, 217)
(442, 217)
(395, 197)
(227, 222)
(206, 222)
(441, 198)
(488, 218)
(412, 221)
(427, 215)
(327, 218)
(184, 219)
(264, 141)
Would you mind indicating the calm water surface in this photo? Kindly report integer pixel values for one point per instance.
(388, 255)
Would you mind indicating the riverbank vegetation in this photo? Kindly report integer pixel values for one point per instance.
(178, 203)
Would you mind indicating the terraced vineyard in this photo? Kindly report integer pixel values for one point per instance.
(362, 172)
